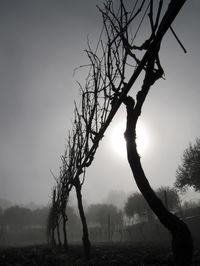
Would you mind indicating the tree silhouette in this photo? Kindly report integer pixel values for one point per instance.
(89, 118)
(114, 68)
(117, 27)
(63, 190)
(187, 174)
(136, 203)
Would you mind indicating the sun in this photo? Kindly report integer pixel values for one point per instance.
(118, 142)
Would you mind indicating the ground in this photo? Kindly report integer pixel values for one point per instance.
(108, 254)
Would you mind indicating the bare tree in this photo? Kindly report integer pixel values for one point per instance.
(57, 212)
(114, 68)
(120, 52)
(88, 120)
(64, 184)
(65, 188)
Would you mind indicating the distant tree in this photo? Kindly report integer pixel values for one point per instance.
(52, 220)
(116, 198)
(62, 194)
(101, 213)
(73, 222)
(17, 217)
(5, 204)
(169, 197)
(39, 216)
(190, 208)
(136, 204)
(188, 173)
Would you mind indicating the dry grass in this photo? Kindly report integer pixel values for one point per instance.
(113, 254)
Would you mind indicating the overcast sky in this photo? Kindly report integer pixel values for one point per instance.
(41, 42)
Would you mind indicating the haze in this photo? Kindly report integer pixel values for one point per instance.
(41, 43)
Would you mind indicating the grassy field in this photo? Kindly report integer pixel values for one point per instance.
(108, 254)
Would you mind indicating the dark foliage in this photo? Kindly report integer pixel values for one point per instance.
(121, 254)
(100, 213)
(188, 173)
(136, 204)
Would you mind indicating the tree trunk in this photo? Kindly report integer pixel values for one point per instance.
(85, 238)
(182, 243)
(52, 220)
(58, 233)
(53, 239)
(64, 217)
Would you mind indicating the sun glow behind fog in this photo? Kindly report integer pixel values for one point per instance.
(118, 142)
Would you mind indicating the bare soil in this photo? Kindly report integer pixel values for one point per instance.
(108, 254)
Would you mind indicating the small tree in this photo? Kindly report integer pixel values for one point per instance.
(188, 173)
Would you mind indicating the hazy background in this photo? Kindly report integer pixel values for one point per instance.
(41, 42)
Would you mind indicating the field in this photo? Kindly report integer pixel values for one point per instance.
(108, 254)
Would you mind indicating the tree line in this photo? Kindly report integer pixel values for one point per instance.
(105, 217)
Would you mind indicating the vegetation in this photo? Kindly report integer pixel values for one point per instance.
(105, 222)
(114, 66)
(169, 197)
(19, 217)
(187, 174)
(20, 226)
(119, 254)
(136, 204)
(107, 86)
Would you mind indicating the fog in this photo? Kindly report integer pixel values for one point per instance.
(41, 43)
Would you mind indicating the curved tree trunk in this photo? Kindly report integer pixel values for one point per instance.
(85, 238)
(182, 243)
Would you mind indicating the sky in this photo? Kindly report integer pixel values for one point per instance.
(41, 43)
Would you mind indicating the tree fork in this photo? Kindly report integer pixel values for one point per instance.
(170, 15)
